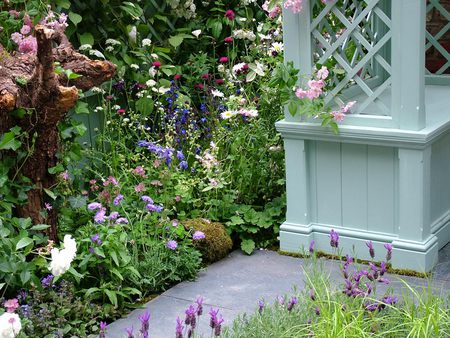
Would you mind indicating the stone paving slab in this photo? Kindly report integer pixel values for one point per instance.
(236, 283)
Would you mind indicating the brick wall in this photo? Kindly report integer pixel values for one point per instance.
(435, 22)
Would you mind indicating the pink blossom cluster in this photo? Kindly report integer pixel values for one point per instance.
(339, 115)
(294, 5)
(25, 40)
(315, 87)
(272, 12)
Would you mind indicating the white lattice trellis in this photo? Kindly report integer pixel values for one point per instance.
(359, 49)
(437, 35)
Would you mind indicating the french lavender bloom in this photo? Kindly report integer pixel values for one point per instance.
(129, 332)
(118, 199)
(389, 248)
(102, 330)
(213, 313)
(172, 244)
(190, 316)
(371, 249)
(261, 306)
(94, 206)
(218, 326)
(281, 300)
(144, 318)
(198, 235)
(311, 247)
(199, 302)
(10, 325)
(179, 328)
(334, 239)
(292, 303)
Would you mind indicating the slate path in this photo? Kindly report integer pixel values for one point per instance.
(235, 284)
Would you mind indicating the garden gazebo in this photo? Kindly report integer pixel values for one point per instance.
(385, 176)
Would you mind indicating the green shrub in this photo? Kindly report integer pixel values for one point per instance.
(216, 244)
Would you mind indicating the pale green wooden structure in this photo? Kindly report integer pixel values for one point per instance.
(386, 176)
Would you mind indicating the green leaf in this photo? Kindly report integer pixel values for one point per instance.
(78, 276)
(63, 3)
(117, 273)
(235, 220)
(99, 251)
(90, 291)
(248, 245)
(112, 297)
(77, 202)
(50, 194)
(39, 227)
(59, 168)
(176, 40)
(132, 9)
(114, 257)
(25, 241)
(292, 107)
(2, 285)
(9, 142)
(144, 106)
(75, 18)
(25, 276)
(86, 39)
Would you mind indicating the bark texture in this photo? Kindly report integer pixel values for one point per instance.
(29, 81)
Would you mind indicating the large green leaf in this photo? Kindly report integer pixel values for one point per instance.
(9, 141)
(25, 241)
(248, 245)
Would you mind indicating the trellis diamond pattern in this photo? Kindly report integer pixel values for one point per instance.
(358, 50)
(438, 37)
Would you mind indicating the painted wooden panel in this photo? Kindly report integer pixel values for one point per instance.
(354, 186)
(312, 179)
(440, 178)
(381, 189)
(329, 183)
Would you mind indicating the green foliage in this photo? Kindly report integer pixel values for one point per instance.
(216, 244)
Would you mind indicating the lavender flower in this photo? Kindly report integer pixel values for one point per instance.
(371, 307)
(144, 318)
(291, 303)
(213, 313)
(198, 235)
(334, 239)
(281, 300)
(47, 281)
(261, 305)
(218, 326)
(383, 268)
(129, 332)
(190, 316)
(389, 248)
(199, 302)
(317, 311)
(172, 244)
(311, 247)
(390, 300)
(102, 330)
(371, 249)
(179, 328)
(312, 294)
(94, 206)
(118, 199)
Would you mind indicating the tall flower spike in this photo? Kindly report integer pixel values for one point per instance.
(371, 249)
(334, 239)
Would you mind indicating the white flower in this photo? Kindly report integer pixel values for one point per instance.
(112, 42)
(163, 90)
(97, 53)
(132, 34)
(196, 33)
(216, 93)
(227, 114)
(239, 34)
(220, 68)
(155, 56)
(116, 107)
(250, 35)
(97, 90)
(10, 325)
(70, 245)
(146, 42)
(85, 47)
(238, 67)
(277, 47)
(61, 259)
(134, 66)
(248, 112)
(150, 83)
(109, 49)
(152, 71)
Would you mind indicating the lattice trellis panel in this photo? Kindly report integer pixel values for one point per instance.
(438, 37)
(354, 37)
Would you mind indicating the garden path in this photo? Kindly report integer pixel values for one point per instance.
(236, 283)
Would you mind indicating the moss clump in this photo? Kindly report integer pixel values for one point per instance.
(216, 244)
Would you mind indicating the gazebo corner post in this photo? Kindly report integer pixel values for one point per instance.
(408, 64)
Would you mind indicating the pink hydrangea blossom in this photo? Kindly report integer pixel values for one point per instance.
(25, 30)
(11, 305)
(28, 45)
(294, 5)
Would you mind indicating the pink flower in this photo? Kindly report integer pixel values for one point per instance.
(140, 187)
(14, 13)
(25, 30)
(16, 37)
(64, 175)
(28, 45)
(156, 64)
(11, 305)
(313, 93)
(48, 206)
(198, 235)
(223, 59)
(177, 77)
(205, 76)
(322, 73)
(316, 84)
(121, 111)
(294, 5)
(228, 39)
(139, 170)
(229, 14)
(199, 86)
(301, 94)
(345, 109)
(338, 116)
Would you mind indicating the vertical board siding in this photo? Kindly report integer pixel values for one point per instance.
(354, 186)
(440, 177)
(312, 179)
(381, 188)
(328, 168)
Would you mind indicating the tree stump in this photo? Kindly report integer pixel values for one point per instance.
(29, 81)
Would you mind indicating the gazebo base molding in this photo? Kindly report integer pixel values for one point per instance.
(385, 185)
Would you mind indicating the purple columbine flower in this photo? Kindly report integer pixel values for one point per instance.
(180, 155)
(147, 199)
(118, 199)
(100, 216)
(389, 248)
(311, 247)
(179, 328)
(102, 330)
(291, 303)
(198, 235)
(94, 206)
(334, 239)
(261, 305)
(47, 281)
(172, 244)
(371, 249)
(114, 215)
(145, 318)
(199, 302)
